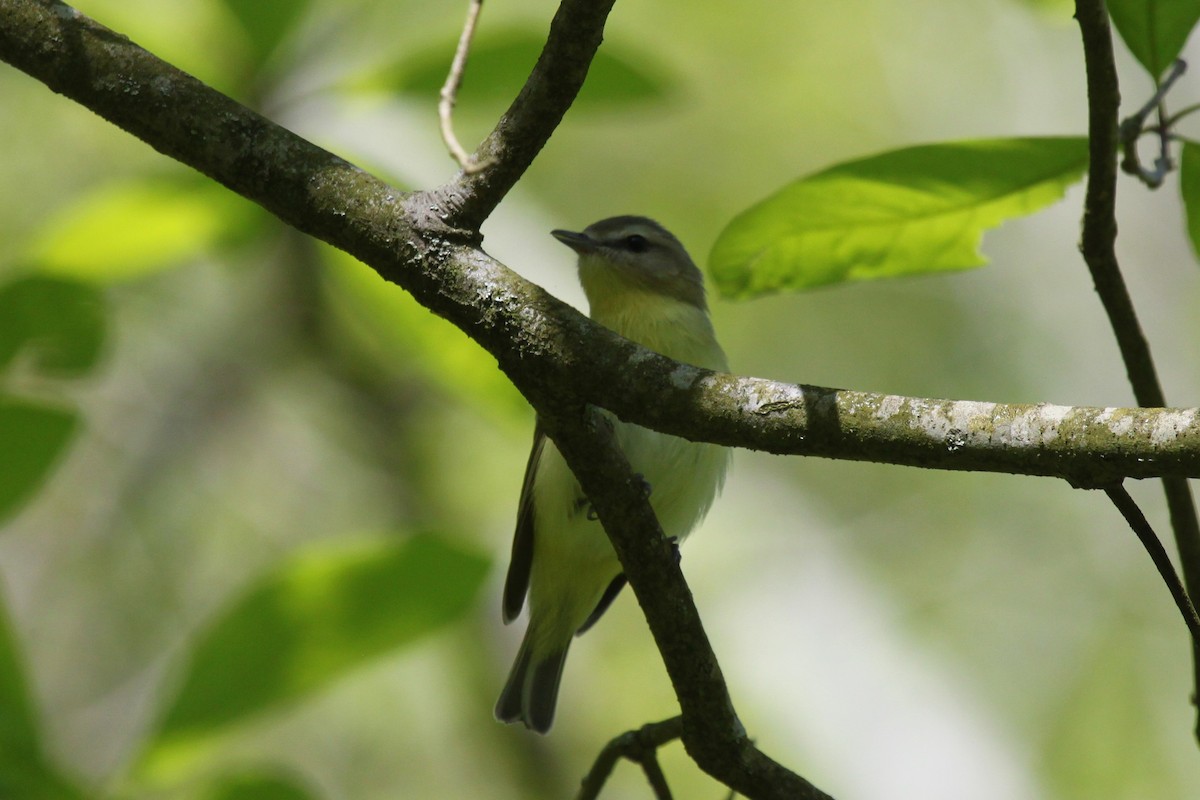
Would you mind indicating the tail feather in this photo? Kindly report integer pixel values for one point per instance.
(531, 692)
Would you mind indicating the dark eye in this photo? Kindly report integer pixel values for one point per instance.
(636, 243)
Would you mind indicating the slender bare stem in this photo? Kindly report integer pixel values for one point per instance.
(1158, 554)
(1133, 126)
(449, 94)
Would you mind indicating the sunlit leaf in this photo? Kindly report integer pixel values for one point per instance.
(500, 62)
(917, 210)
(387, 322)
(266, 23)
(1155, 30)
(320, 615)
(1189, 187)
(33, 437)
(24, 770)
(57, 324)
(127, 230)
(256, 786)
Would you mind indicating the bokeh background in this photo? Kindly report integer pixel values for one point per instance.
(887, 632)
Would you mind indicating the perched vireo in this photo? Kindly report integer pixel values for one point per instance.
(641, 283)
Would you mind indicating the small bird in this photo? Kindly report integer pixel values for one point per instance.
(640, 283)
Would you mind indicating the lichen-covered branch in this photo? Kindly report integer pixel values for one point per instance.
(540, 342)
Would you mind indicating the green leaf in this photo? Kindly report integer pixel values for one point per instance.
(24, 770)
(123, 231)
(266, 23)
(58, 325)
(323, 613)
(906, 212)
(256, 786)
(1189, 187)
(500, 61)
(1154, 30)
(33, 437)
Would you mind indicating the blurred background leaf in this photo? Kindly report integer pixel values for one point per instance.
(57, 326)
(128, 229)
(315, 618)
(261, 785)
(1154, 30)
(266, 24)
(33, 438)
(620, 77)
(24, 769)
(1189, 191)
(49, 328)
(906, 212)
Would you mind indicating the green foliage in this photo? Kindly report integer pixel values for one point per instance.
(266, 24)
(51, 328)
(33, 437)
(1154, 30)
(24, 770)
(1189, 188)
(57, 325)
(911, 211)
(255, 786)
(318, 616)
(500, 62)
(127, 230)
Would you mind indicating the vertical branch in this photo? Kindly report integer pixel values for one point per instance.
(711, 732)
(1097, 245)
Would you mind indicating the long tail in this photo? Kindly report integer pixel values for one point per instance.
(532, 688)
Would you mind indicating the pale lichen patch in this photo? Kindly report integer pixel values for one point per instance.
(761, 397)
(889, 406)
(1118, 421)
(1169, 424)
(683, 376)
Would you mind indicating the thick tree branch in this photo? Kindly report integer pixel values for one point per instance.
(1098, 247)
(325, 196)
(540, 342)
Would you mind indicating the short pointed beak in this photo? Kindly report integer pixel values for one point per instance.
(579, 242)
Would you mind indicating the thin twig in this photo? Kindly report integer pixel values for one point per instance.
(1158, 554)
(1134, 126)
(1174, 119)
(449, 94)
(655, 776)
(639, 746)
